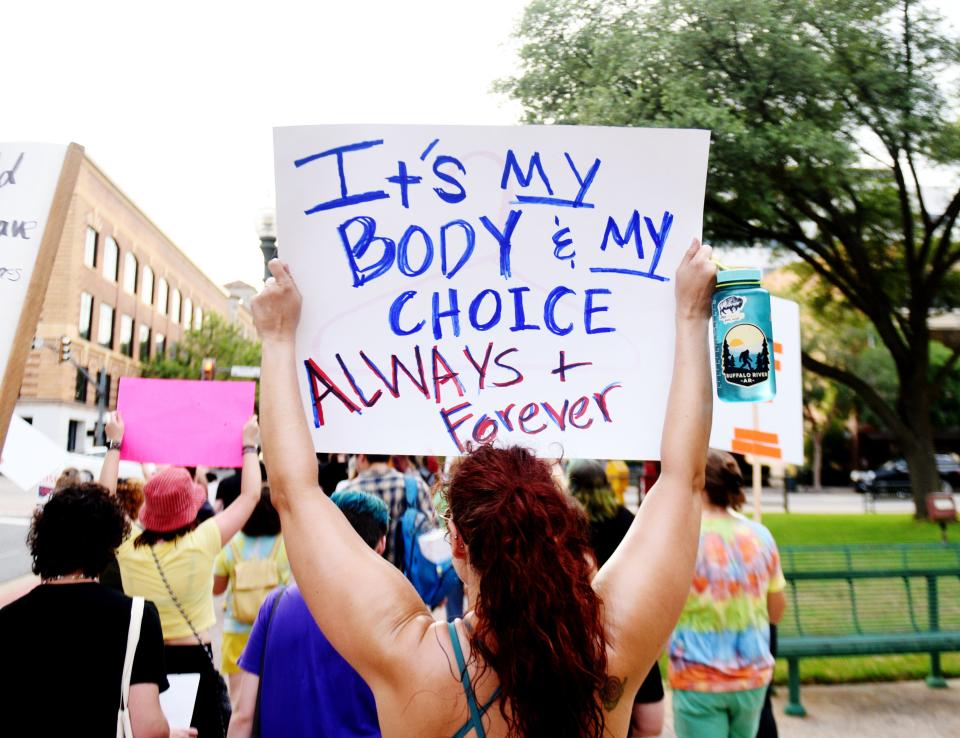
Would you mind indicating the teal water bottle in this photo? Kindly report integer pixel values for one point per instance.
(743, 338)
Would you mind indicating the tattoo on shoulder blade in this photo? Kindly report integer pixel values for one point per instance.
(612, 692)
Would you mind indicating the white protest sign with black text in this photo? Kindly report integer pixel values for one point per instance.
(36, 184)
(477, 284)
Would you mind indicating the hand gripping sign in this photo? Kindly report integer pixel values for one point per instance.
(487, 284)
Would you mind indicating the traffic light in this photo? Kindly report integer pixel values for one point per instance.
(209, 369)
(65, 344)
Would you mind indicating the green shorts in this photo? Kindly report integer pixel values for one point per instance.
(717, 714)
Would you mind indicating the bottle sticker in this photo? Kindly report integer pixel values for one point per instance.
(730, 309)
(746, 355)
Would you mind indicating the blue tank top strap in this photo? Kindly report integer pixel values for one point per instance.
(475, 712)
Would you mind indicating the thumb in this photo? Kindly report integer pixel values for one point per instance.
(691, 252)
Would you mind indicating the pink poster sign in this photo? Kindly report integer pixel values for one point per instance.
(184, 422)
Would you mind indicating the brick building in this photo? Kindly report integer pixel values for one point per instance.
(123, 293)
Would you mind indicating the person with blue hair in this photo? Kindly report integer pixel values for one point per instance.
(293, 681)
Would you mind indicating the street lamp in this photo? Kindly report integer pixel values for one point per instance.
(267, 231)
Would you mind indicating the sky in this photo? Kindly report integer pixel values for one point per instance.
(176, 101)
(177, 104)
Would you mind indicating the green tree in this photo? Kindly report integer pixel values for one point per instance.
(217, 339)
(823, 113)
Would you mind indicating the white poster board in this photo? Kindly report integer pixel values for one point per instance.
(29, 173)
(770, 431)
(487, 284)
(177, 702)
(28, 455)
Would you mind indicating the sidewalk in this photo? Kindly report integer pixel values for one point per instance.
(878, 710)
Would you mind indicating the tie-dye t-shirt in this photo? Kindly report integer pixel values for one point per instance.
(722, 642)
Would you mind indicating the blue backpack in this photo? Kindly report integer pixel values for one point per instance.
(432, 581)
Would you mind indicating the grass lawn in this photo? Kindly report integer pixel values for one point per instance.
(795, 529)
(802, 530)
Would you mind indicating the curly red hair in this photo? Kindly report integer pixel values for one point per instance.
(540, 623)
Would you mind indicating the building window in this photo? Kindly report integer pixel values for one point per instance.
(73, 430)
(198, 319)
(130, 273)
(105, 329)
(146, 286)
(144, 342)
(90, 248)
(80, 391)
(126, 335)
(175, 306)
(187, 313)
(162, 291)
(86, 315)
(161, 345)
(111, 259)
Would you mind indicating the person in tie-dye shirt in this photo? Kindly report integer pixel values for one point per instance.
(720, 660)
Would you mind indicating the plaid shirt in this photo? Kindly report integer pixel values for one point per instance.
(389, 486)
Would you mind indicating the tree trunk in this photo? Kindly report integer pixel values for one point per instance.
(918, 446)
(817, 463)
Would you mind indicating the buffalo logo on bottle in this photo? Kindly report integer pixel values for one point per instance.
(730, 309)
(746, 355)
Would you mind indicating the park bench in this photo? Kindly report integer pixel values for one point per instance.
(867, 600)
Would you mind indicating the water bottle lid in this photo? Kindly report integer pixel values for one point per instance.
(738, 276)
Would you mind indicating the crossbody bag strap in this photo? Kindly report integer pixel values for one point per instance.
(183, 614)
(255, 733)
(133, 639)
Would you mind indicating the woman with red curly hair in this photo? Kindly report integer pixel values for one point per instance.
(542, 651)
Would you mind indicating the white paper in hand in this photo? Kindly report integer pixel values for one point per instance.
(177, 702)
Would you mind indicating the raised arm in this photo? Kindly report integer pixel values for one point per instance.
(110, 470)
(644, 585)
(365, 606)
(232, 519)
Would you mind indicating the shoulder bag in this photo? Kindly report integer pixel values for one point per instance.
(124, 728)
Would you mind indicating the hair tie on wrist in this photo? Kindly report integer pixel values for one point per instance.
(249, 449)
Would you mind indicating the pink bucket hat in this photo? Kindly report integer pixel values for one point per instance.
(171, 500)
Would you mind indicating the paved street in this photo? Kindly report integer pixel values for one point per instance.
(14, 559)
(832, 500)
(887, 710)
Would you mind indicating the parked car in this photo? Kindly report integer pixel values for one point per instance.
(893, 477)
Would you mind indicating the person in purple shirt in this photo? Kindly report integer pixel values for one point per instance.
(303, 686)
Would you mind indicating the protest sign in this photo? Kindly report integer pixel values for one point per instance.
(184, 422)
(36, 182)
(487, 284)
(769, 430)
(28, 455)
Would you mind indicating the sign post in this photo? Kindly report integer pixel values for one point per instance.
(36, 184)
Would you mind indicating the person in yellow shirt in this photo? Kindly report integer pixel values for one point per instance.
(168, 559)
(258, 555)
